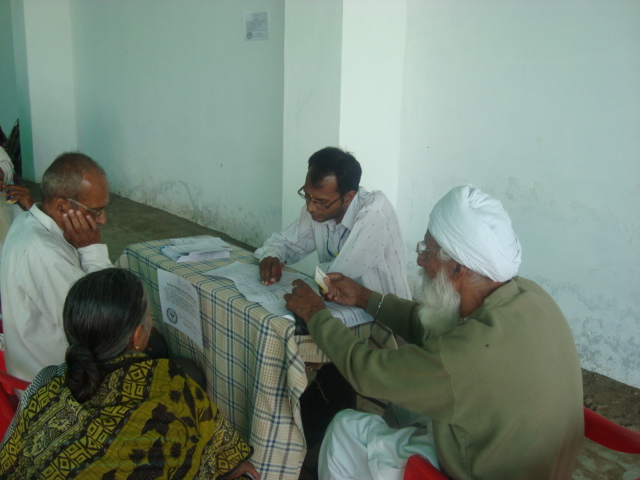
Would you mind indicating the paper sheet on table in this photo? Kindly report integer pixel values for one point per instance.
(199, 257)
(268, 293)
(239, 272)
(200, 244)
(247, 280)
(192, 249)
(180, 305)
(350, 316)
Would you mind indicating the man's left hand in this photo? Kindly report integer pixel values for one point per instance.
(303, 301)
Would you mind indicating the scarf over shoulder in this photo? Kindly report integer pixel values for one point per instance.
(147, 420)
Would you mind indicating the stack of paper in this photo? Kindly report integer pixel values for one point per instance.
(196, 249)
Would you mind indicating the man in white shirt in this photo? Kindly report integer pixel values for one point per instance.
(351, 229)
(15, 195)
(46, 250)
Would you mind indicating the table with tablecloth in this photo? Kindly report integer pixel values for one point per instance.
(253, 361)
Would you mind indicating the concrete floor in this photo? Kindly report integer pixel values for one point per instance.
(131, 222)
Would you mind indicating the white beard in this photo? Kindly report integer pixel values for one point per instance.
(439, 312)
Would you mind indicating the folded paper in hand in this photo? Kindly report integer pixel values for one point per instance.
(196, 249)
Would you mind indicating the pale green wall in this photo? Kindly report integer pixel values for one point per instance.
(14, 94)
(8, 100)
(49, 61)
(373, 59)
(184, 112)
(313, 78)
(538, 104)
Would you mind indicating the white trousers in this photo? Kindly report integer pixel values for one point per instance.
(362, 446)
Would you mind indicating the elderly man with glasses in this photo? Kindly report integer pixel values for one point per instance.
(46, 250)
(491, 361)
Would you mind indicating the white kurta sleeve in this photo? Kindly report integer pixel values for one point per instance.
(7, 166)
(94, 257)
(292, 244)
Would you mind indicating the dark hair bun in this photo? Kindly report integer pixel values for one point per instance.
(83, 372)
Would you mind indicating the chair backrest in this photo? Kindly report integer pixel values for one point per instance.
(610, 434)
(419, 468)
(9, 401)
(596, 428)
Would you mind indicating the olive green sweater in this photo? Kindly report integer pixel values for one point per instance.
(504, 389)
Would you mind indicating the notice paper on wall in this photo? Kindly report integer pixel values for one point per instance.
(180, 305)
(256, 25)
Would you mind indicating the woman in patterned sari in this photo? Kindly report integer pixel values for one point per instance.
(110, 412)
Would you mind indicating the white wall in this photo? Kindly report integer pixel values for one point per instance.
(185, 114)
(537, 103)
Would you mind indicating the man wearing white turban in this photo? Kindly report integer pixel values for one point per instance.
(491, 360)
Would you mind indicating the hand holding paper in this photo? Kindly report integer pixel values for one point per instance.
(320, 279)
(346, 291)
(247, 280)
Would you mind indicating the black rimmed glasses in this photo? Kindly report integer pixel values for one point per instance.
(317, 203)
(95, 213)
(421, 248)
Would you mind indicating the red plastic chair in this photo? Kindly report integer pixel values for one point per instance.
(419, 468)
(596, 428)
(9, 401)
(8, 398)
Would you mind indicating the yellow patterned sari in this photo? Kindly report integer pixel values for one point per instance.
(147, 421)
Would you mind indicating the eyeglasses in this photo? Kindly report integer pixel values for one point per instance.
(317, 203)
(421, 248)
(95, 213)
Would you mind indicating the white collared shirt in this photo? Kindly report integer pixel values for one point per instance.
(7, 166)
(7, 211)
(366, 246)
(38, 268)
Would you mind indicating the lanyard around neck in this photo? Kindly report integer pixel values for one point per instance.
(335, 255)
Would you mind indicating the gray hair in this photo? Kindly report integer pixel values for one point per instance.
(476, 279)
(64, 176)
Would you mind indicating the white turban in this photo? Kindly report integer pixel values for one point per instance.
(476, 231)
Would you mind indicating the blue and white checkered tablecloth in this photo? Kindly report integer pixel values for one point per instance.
(254, 364)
